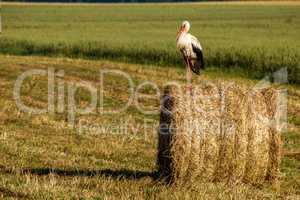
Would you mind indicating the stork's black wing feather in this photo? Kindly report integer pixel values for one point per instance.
(198, 63)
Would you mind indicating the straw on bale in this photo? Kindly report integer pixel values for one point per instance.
(219, 132)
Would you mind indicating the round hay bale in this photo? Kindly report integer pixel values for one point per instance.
(276, 111)
(216, 133)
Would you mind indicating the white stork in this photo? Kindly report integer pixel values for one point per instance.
(191, 50)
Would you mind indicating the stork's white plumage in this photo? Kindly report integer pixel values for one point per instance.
(191, 50)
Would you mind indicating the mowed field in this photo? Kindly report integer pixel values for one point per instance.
(257, 38)
(42, 157)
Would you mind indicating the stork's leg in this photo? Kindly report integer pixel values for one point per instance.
(188, 76)
(188, 80)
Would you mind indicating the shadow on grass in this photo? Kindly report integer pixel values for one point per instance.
(116, 174)
(5, 192)
(109, 173)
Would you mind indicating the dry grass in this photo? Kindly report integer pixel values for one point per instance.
(217, 133)
(41, 158)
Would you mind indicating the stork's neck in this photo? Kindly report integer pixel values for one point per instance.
(181, 34)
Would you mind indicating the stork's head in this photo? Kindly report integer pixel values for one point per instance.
(184, 28)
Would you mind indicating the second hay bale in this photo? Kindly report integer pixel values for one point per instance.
(217, 134)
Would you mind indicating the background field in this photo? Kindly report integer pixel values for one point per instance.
(259, 38)
(41, 157)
